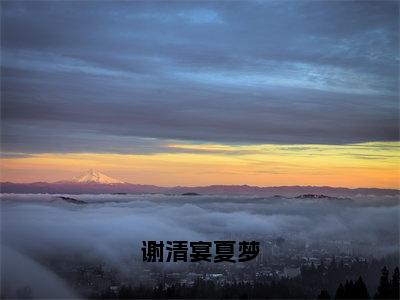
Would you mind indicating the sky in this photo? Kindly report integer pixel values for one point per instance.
(195, 93)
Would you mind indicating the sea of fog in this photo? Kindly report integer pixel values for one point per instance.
(112, 227)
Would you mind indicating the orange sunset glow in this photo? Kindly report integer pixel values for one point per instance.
(356, 165)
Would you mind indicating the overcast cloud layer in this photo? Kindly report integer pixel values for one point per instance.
(106, 76)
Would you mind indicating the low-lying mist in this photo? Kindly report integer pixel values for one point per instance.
(111, 227)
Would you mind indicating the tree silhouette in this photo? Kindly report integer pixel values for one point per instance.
(340, 292)
(360, 289)
(384, 288)
(352, 290)
(324, 295)
(349, 292)
(395, 284)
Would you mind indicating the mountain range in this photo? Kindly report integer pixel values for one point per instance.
(94, 182)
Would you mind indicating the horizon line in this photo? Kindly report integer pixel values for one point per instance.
(203, 186)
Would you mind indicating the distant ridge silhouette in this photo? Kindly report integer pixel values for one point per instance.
(94, 182)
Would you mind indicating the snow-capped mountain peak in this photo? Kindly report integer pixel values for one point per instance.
(93, 176)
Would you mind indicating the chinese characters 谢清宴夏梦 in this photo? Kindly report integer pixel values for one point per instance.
(184, 251)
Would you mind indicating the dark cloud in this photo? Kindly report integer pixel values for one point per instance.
(247, 72)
